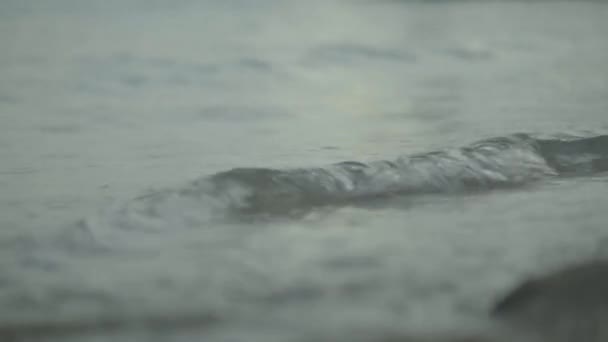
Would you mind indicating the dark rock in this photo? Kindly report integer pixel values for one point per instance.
(568, 305)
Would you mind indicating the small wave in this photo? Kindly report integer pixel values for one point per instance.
(501, 162)
(576, 156)
(339, 54)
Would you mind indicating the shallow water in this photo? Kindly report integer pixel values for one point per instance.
(114, 115)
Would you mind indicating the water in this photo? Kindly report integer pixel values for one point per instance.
(173, 170)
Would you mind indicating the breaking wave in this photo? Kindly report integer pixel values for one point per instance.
(501, 162)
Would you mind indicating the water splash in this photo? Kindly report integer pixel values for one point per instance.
(501, 162)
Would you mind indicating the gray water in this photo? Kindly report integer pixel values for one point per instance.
(169, 167)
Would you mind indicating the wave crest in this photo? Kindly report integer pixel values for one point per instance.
(500, 162)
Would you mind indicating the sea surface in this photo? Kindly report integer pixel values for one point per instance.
(337, 170)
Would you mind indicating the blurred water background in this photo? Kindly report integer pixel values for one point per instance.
(114, 114)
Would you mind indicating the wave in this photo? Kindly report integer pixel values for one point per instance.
(501, 162)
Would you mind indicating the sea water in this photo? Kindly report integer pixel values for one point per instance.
(293, 171)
